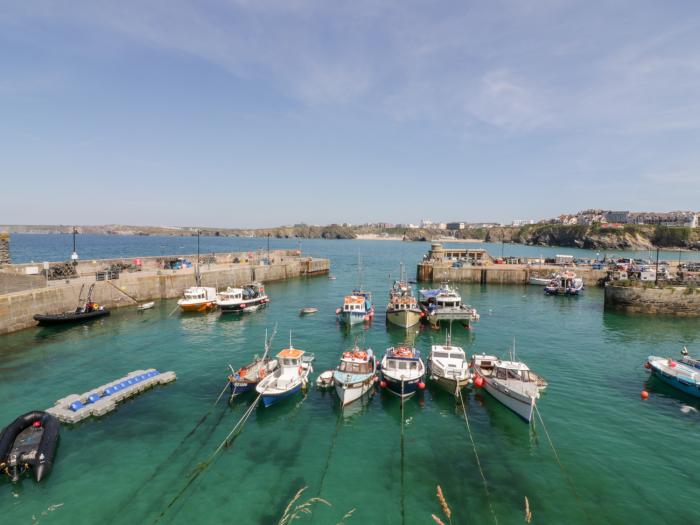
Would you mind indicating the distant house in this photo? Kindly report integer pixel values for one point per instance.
(619, 217)
(521, 222)
(455, 225)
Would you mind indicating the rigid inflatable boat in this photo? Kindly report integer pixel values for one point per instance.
(29, 442)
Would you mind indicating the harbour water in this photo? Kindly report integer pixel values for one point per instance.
(624, 460)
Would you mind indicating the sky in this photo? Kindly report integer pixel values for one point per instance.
(256, 113)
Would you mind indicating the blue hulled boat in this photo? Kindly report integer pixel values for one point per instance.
(683, 375)
(402, 371)
(291, 375)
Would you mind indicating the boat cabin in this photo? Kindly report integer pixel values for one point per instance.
(290, 357)
(354, 303)
(402, 358)
(232, 294)
(253, 290)
(507, 370)
(448, 352)
(355, 367)
(403, 303)
(202, 293)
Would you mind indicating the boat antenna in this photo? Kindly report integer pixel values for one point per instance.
(290, 339)
(268, 342)
(197, 277)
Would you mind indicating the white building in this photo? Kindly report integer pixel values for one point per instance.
(426, 223)
(521, 222)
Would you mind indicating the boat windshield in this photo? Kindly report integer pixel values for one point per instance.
(354, 368)
(509, 373)
(287, 361)
(395, 364)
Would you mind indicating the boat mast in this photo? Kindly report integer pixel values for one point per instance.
(197, 277)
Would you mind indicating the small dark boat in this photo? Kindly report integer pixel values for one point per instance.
(29, 442)
(84, 312)
(68, 317)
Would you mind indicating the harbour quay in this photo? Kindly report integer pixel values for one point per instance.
(475, 265)
(653, 299)
(28, 289)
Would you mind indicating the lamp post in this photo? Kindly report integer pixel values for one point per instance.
(74, 255)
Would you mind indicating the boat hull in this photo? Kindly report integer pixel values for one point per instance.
(240, 387)
(347, 393)
(68, 318)
(403, 318)
(352, 318)
(197, 307)
(393, 385)
(451, 385)
(521, 408)
(248, 306)
(271, 399)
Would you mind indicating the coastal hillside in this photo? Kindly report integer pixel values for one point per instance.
(594, 237)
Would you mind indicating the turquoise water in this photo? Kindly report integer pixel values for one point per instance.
(624, 460)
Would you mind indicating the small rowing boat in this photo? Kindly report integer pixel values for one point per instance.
(308, 311)
(683, 375)
(146, 306)
(325, 380)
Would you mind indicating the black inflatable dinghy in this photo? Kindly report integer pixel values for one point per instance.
(29, 442)
(70, 317)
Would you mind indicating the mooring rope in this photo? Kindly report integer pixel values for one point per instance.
(476, 454)
(330, 450)
(566, 474)
(206, 464)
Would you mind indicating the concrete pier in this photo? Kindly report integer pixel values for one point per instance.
(499, 273)
(149, 283)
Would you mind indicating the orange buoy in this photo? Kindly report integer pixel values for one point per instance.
(479, 382)
(647, 365)
(644, 394)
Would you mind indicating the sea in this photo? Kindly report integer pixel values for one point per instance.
(599, 453)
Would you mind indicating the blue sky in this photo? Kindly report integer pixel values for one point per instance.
(247, 113)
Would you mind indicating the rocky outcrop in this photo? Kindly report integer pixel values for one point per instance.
(4, 248)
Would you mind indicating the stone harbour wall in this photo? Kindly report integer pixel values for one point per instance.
(17, 309)
(681, 301)
(4, 248)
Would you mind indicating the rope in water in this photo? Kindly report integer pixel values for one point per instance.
(476, 454)
(568, 477)
(203, 466)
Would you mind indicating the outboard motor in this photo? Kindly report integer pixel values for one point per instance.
(29, 442)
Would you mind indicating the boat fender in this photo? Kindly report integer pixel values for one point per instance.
(647, 365)
(76, 405)
(93, 398)
(300, 370)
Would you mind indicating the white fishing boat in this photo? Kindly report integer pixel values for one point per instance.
(249, 298)
(357, 307)
(355, 375)
(198, 299)
(445, 304)
(291, 375)
(512, 383)
(402, 371)
(448, 367)
(308, 311)
(565, 283)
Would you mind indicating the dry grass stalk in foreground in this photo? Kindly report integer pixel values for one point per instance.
(528, 514)
(437, 520)
(443, 504)
(290, 514)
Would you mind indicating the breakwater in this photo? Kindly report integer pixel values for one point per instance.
(146, 279)
(681, 301)
(499, 273)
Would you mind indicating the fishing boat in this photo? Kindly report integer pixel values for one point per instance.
(29, 443)
(355, 374)
(445, 304)
(249, 298)
(291, 375)
(448, 367)
(246, 378)
(402, 371)
(683, 374)
(86, 311)
(308, 311)
(403, 309)
(565, 283)
(512, 383)
(357, 308)
(145, 306)
(198, 299)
